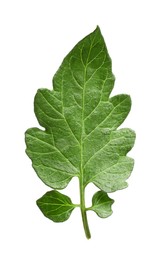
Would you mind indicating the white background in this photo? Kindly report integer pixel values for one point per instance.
(34, 38)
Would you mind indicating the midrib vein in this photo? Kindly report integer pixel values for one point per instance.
(82, 123)
(82, 116)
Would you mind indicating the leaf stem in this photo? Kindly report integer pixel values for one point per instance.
(83, 210)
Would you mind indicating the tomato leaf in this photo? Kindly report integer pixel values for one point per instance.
(80, 121)
(56, 206)
(101, 204)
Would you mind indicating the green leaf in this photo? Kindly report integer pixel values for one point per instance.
(101, 204)
(108, 168)
(56, 206)
(80, 121)
(50, 163)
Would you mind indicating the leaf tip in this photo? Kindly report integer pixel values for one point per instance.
(97, 29)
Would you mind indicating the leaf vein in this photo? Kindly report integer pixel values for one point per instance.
(105, 118)
(51, 104)
(95, 176)
(53, 148)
